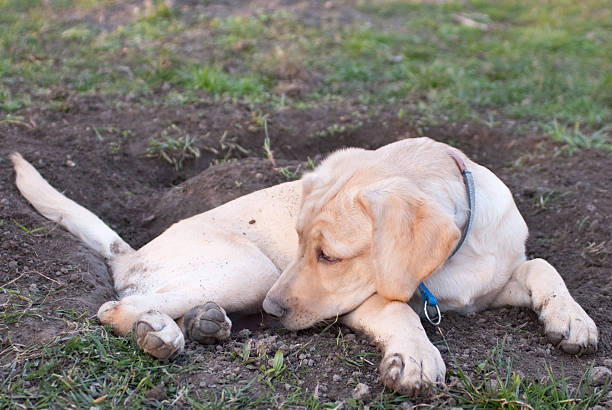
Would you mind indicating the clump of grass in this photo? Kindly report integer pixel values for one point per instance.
(546, 198)
(496, 385)
(213, 79)
(234, 29)
(91, 368)
(29, 231)
(336, 129)
(175, 151)
(574, 140)
(11, 102)
(158, 10)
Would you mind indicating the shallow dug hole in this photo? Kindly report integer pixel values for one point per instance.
(48, 278)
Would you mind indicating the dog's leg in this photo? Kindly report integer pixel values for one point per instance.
(538, 285)
(410, 363)
(158, 335)
(122, 315)
(152, 318)
(207, 323)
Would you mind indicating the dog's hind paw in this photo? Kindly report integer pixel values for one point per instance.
(207, 323)
(568, 326)
(159, 335)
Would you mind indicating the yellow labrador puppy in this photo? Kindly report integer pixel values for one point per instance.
(353, 239)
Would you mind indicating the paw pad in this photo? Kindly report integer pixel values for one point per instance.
(207, 323)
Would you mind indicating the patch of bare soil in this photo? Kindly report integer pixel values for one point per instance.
(567, 202)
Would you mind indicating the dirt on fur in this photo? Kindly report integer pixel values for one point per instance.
(94, 152)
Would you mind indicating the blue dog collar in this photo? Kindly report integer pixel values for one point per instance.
(428, 297)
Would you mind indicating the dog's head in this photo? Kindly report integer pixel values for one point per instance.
(363, 228)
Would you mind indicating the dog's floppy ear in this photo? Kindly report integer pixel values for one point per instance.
(412, 236)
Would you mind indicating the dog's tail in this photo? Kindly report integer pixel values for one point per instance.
(72, 216)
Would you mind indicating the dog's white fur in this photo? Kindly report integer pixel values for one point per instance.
(359, 205)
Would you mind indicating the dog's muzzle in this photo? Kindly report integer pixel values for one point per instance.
(274, 308)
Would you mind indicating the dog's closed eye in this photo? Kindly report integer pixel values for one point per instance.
(325, 258)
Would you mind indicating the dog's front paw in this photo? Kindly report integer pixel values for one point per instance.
(412, 370)
(207, 323)
(568, 326)
(158, 335)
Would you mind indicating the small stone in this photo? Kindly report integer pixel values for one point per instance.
(244, 334)
(361, 391)
(492, 386)
(600, 375)
(454, 381)
(158, 393)
(33, 288)
(70, 163)
(302, 356)
(608, 363)
(12, 264)
(336, 377)
(310, 362)
(406, 405)
(287, 386)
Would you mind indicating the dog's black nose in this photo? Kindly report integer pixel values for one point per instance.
(274, 308)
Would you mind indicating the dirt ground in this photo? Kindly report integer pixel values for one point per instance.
(566, 201)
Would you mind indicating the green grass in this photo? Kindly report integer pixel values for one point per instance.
(175, 151)
(574, 139)
(530, 60)
(91, 367)
(535, 60)
(213, 79)
(88, 366)
(496, 385)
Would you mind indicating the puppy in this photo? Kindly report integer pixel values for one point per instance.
(353, 239)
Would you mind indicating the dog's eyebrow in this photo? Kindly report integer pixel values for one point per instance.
(336, 247)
